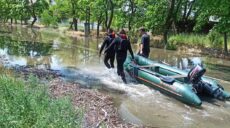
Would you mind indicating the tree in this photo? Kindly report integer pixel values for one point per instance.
(36, 9)
(109, 6)
(98, 8)
(218, 10)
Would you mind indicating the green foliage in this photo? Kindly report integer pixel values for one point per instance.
(158, 16)
(212, 40)
(47, 19)
(171, 46)
(190, 39)
(218, 9)
(29, 105)
(215, 39)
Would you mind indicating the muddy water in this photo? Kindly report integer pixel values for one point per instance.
(78, 60)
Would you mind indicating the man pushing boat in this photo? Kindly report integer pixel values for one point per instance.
(110, 53)
(121, 45)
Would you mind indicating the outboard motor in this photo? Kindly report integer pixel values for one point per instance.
(194, 76)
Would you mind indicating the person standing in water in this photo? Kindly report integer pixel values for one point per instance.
(145, 43)
(110, 52)
(122, 45)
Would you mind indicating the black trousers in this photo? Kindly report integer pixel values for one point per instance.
(109, 57)
(120, 69)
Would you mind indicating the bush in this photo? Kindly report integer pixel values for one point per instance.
(215, 39)
(171, 46)
(47, 19)
(31, 106)
(212, 40)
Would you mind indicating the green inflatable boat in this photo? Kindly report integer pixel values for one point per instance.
(184, 86)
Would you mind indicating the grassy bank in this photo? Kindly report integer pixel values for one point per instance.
(29, 104)
(212, 40)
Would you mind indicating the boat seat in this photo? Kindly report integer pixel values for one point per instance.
(148, 66)
(178, 76)
(168, 80)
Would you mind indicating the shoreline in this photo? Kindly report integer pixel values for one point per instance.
(156, 41)
(99, 108)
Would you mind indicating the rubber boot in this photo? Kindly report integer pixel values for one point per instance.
(123, 77)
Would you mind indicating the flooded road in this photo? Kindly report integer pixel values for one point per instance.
(77, 59)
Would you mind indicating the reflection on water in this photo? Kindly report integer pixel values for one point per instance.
(55, 52)
(77, 59)
(217, 68)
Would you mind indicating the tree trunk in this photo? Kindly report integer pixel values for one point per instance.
(98, 27)
(75, 24)
(168, 22)
(26, 22)
(99, 21)
(33, 13)
(178, 6)
(109, 19)
(92, 25)
(34, 20)
(225, 43)
(4, 21)
(11, 21)
(98, 31)
(165, 37)
(133, 10)
(111, 14)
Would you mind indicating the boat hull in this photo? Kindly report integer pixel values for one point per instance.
(156, 76)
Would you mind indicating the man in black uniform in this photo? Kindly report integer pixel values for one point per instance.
(145, 41)
(110, 52)
(122, 45)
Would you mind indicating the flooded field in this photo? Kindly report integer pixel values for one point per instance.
(77, 59)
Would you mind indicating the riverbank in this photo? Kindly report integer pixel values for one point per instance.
(91, 107)
(99, 108)
(208, 45)
(195, 50)
(96, 109)
(28, 104)
(189, 44)
(62, 30)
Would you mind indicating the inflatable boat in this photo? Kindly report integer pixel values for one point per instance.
(182, 85)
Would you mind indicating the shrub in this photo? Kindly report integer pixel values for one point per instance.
(47, 19)
(212, 40)
(215, 39)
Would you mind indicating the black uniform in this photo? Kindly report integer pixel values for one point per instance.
(110, 52)
(145, 41)
(122, 45)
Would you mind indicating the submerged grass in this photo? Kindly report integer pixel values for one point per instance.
(28, 104)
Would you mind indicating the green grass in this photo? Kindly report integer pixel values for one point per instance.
(212, 40)
(190, 39)
(28, 104)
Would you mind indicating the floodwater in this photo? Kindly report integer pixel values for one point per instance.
(77, 59)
